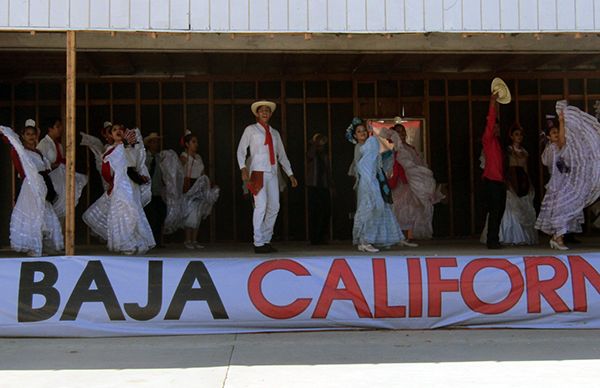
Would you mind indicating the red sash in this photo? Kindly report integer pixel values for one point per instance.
(59, 155)
(269, 142)
(255, 183)
(107, 173)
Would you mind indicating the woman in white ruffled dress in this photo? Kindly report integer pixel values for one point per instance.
(34, 226)
(198, 197)
(118, 216)
(414, 189)
(573, 159)
(518, 222)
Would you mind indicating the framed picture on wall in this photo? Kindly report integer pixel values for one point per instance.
(416, 134)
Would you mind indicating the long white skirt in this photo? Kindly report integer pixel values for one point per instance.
(518, 222)
(59, 178)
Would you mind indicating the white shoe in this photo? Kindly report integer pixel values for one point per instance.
(367, 248)
(556, 245)
(406, 243)
(197, 246)
(189, 245)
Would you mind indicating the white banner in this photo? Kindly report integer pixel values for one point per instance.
(117, 296)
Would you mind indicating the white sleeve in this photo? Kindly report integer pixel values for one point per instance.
(282, 157)
(243, 147)
(47, 149)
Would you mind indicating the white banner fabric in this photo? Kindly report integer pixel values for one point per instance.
(129, 296)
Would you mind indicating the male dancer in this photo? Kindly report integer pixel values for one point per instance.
(266, 150)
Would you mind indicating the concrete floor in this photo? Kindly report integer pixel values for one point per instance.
(441, 358)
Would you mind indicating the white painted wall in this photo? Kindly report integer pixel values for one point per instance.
(344, 16)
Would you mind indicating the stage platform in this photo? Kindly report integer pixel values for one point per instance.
(289, 249)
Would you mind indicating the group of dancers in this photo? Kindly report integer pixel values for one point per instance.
(147, 192)
(572, 156)
(395, 190)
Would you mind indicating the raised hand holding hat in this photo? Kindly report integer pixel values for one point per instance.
(501, 91)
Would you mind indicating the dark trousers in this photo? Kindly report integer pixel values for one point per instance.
(156, 211)
(319, 209)
(495, 198)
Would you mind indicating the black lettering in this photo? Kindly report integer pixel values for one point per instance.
(196, 270)
(93, 272)
(139, 313)
(28, 288)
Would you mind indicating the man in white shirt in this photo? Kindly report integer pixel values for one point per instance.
(266, 150)
(50, 146)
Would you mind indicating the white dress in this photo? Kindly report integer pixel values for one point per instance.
(119, 217)
(414, 200)
(199, 199)
(128, 229)
(34, 225)
(575, 174)
(59, 176)
(518, 222)
(98, 149)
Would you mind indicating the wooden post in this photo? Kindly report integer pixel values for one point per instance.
(70, 145)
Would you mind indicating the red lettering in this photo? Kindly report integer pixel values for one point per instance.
(340, 270)
(581, 271)
(468, 291)
(258, 298)
(436, 285)
(536, 288)
(382, 309)
(415, 288)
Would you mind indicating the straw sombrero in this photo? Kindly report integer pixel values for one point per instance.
(254, 107)
(500, 88)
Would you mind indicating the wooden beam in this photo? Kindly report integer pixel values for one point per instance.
(358, 63)
(70, 143)
(572, 61)
(467, 61)
(91, 63)
(505, 65)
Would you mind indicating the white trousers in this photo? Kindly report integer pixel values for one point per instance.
(266, 207)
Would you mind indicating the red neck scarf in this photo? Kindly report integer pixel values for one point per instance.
(269, 142)
(59, 156)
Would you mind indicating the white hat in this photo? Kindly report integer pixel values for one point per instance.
(500, 88)
(254, 107)
(151, 136)
(107, 124)
(30, 123)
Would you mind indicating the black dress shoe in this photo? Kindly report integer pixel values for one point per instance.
(262, 249)
(271, 248)
(494, 246)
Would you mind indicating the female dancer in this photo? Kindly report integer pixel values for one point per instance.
(118, 216)
(374, 221)
(518, 221)
(198, 196)
(414, 189)
(34, 225)
(573, 158)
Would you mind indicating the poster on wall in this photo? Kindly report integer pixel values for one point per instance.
(415, 130)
